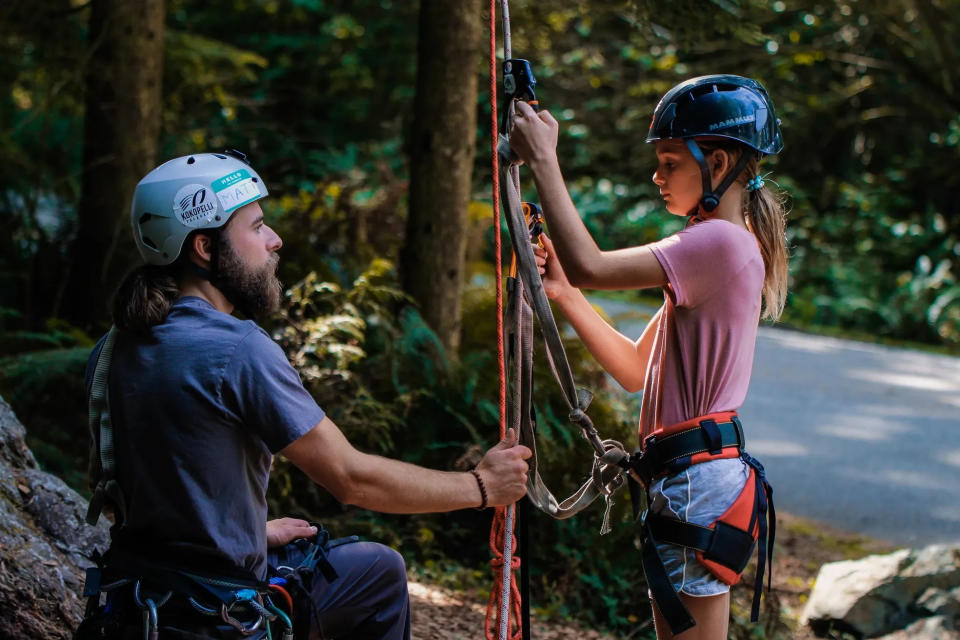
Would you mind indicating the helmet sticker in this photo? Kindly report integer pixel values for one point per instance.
(194, 205)
(236, 189)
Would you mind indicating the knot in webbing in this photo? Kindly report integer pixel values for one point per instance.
(614, 453)
(579, 417)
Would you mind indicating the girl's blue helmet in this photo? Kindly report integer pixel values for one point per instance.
(722, 105)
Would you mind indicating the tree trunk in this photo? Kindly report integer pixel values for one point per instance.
(442, 146)
(121, 127)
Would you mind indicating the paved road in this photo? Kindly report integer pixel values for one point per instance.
(862, 436)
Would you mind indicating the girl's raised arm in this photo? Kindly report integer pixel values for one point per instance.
(534, 139)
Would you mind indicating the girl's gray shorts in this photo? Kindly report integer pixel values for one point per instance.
(700, 495)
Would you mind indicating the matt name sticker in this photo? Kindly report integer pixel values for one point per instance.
(235, 189)
(194, 205)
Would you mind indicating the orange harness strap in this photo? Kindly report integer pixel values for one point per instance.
(724, 546)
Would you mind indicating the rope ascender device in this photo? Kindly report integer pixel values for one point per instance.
(725, 546)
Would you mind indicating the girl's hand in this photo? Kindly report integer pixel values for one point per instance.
(534, 135)
(555, 283)
(286, 530)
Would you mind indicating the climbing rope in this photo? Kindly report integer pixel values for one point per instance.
(502, 540)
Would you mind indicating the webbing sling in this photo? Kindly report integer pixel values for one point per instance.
(101, 433)
(528, 298)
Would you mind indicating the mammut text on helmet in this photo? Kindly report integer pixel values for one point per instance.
(732, 122)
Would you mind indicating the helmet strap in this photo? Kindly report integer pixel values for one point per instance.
(210, 274)
(197, 270)
(710, 199)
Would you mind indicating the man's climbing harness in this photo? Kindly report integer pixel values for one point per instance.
(196, 602)
(192, 602)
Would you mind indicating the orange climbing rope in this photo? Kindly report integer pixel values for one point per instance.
(496, 608)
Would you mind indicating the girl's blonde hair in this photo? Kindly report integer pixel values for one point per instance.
(766, 216)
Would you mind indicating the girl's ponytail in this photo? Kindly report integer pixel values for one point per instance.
(765, 211)
(766, 216)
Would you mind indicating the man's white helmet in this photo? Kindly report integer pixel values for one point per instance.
(184, 194)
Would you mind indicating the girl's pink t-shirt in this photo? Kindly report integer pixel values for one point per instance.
(706, 332)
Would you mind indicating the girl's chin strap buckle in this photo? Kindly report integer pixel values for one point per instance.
(710, 199)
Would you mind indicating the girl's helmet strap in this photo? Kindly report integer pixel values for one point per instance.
(711, 197)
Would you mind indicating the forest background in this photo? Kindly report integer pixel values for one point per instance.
(351, 112)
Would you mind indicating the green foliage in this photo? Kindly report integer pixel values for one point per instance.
(46, 390)
(868, 96)
(325, 333)
(320, 93)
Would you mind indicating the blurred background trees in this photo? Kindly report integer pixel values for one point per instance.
(322, 92)
(338, 107)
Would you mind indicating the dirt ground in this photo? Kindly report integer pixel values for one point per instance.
(802, 547)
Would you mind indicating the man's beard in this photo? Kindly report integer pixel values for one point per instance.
(255, 293)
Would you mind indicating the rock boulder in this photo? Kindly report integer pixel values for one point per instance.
(910, 591)
(45, 543)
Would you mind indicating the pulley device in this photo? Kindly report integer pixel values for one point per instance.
(518, 84)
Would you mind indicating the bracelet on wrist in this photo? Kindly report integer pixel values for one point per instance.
(483, 490)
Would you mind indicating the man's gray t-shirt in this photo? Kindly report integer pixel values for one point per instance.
(198, 408)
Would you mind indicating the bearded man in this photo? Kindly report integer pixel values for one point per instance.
(190, 403)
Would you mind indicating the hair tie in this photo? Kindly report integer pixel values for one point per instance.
(756, 182)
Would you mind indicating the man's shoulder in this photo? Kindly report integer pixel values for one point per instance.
(197, 317)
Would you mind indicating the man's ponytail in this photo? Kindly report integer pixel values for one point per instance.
(144, 298)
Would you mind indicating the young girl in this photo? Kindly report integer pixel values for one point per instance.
(720, 275)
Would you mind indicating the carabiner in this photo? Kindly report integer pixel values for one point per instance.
(150, 623)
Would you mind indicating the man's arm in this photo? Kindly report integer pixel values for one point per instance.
(390, 486)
